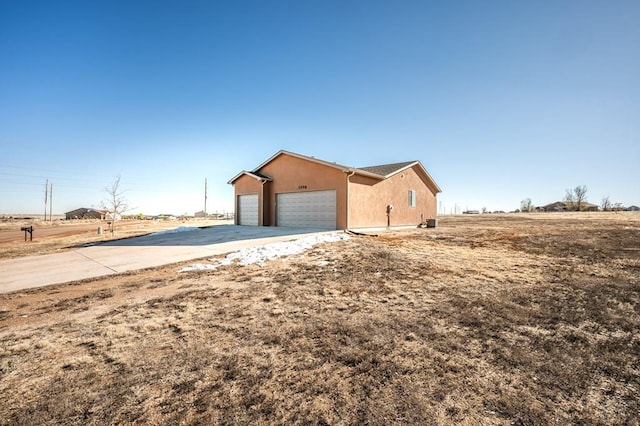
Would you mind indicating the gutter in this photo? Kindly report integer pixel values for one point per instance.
(261, 206)
(351, 173)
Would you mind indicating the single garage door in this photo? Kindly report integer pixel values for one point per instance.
(248, 209)
(315, 209)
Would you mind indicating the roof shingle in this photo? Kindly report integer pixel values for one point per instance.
(386, 169)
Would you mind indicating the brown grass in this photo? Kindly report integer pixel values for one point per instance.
(529, 319)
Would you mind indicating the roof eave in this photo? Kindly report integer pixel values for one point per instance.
(435, 185)
(419, 164)
(367, 174)
(408, 166)
(248, 173)
(303, 157)
(343, 168)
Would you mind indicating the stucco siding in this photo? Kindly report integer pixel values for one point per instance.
(361, 203)
(369, 199)
(292, 174)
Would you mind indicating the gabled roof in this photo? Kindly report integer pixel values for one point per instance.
(86, 210)
(303, 157)
(555, 205)
(388, 169)
(255, 175)
(380, 172)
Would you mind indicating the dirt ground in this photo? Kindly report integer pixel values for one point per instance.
(506, 319)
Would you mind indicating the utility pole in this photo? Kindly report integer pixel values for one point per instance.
(46, 198)
(51, 202)
(205, 197)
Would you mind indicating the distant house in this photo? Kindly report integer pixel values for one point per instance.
(558, 206)
(84, 213)
(291, 189)
(201, 213)
(633, 209)
(589, 207)
(562, 206)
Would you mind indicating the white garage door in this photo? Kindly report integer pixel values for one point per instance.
(248, 209)
(315, 209)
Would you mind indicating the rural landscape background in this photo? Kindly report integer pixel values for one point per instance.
(486, 319)
(145, 109)
(499, 101)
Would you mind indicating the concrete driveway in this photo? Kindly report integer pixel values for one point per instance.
(137, 253)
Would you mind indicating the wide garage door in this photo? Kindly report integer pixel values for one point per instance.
(315, 209)
(248, 209)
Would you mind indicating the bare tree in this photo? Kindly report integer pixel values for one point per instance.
(526, 205)
(580, 193)
(605, 204)
(570, 199)
(116, 203)
(575, 197)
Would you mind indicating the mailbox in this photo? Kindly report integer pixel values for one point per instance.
(27, 230)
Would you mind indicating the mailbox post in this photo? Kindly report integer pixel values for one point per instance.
(27, 230)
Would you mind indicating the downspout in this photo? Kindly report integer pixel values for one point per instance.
(261, 221)
(351, 173)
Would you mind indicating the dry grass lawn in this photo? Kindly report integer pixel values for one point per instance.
(514, 319)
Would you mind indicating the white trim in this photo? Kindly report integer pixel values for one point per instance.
(252, 174)
(412, 195)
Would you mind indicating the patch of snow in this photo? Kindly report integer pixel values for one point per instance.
(259, 255)
(199, 267)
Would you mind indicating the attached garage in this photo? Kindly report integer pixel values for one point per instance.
(248, 209)
(295, 190)
(314, 209)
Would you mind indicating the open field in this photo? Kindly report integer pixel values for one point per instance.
(509, 319)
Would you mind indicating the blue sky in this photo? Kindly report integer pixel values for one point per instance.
(499, 100)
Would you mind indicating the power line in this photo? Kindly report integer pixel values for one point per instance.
(69, 175)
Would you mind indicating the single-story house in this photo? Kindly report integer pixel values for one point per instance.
(564, 206)
(84, 213)
(291, 189)
(557, 206)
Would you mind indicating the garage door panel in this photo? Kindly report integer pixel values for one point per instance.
(315, 209)
(248, 209)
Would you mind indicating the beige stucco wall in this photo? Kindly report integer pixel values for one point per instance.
(369, 199)
(293, 174)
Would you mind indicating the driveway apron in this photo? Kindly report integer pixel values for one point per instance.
(137, 253)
